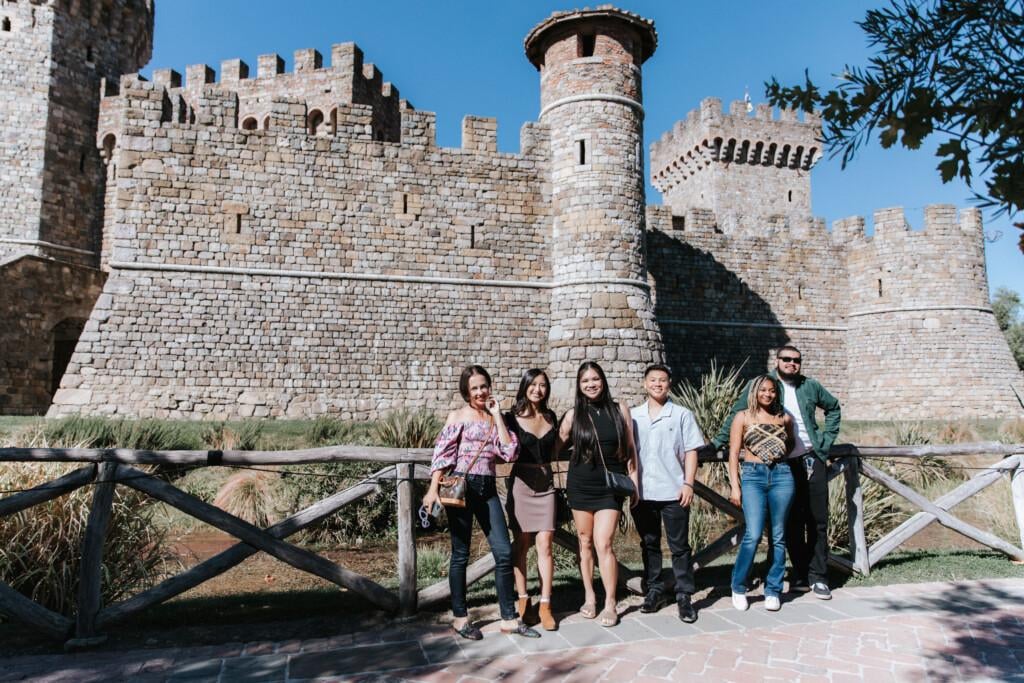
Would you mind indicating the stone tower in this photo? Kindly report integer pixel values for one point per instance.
(923, 340)
(591, 101)
(57, 57)
(739, 170)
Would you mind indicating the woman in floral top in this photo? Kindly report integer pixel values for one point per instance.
(477, 428)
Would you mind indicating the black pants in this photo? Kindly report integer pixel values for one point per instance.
(649, 516)
(807, 526)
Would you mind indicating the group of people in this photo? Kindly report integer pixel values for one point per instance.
(777, 472)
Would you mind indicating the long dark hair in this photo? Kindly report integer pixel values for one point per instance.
(584, 434)
(522, 403)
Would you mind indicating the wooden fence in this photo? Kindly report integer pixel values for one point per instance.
(106, 468)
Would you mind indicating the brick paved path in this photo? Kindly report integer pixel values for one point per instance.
(970, 631)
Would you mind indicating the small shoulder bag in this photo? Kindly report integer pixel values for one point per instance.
(618, 484)
(451, 488)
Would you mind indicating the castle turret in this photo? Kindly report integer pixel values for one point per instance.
(923, 339)
(591, 101)
(736, 169)
(57, 58)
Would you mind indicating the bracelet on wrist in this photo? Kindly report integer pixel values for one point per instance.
(686, 483)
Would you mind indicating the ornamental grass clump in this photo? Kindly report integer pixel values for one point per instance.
(407, 429)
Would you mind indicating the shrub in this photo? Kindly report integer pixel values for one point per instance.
(711, 401)
(1012, 431)
(100, 432)
(432, 562)
(956, 432)
(40, 547)
(882, 514)
(244, 436)
(407, 429)
(250, 495)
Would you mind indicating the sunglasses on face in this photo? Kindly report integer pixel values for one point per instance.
(789, 359)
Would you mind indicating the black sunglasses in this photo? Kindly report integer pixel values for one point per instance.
(789, 359)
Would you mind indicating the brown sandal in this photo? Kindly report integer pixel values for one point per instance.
(547, 619)
(609, 617)
(588, 610)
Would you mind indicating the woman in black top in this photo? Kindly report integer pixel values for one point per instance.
(600, 431)
(531, 493)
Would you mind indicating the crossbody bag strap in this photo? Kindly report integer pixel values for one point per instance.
(600, 449)
(483, 445)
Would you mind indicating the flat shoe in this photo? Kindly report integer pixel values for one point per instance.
(609, 617)
(469, 632)
(523, 630)
(588, 610)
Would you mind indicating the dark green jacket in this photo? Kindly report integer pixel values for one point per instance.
(811, 396)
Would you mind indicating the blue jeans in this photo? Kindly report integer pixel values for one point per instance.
(765, 489)
(481, 502)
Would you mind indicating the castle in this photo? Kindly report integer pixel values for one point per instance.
(277, 244)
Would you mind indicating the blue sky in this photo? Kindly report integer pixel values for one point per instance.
(458, 57)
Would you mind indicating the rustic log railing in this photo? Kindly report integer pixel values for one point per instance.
(107, 468)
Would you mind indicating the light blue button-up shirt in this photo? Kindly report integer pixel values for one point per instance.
(661, 446)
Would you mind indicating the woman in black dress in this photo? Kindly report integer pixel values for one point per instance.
(600, 431)
(531, 493)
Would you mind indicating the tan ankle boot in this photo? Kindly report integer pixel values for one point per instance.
(547, 619)
(523, 607)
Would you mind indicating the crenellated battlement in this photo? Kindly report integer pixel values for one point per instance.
(710, 136)
(942, 223)
(699, 224)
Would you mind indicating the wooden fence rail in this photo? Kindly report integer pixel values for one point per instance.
(107, 468)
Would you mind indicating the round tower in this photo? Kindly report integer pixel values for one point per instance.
(57, 56)
(591, 102)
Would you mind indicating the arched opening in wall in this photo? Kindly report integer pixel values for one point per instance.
(64, 338)
(5, 24)
(585, 44)
(109, 143)
(314, 121)
(266, 122)
(249, 123)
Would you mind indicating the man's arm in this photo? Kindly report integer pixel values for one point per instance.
(830, 404)
(722, 438)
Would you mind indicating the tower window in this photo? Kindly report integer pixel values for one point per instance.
(879, 287)
(472, 237)
(5, 24)
(249, 124)
(791, 195)
(316, 118)
(81, 163)
(586, 45)
(405, 203)
(236, 224)
(88, 54)
(581, 152)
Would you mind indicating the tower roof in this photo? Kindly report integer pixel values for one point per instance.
(569, 21)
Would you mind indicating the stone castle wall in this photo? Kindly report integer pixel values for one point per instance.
(279, 272)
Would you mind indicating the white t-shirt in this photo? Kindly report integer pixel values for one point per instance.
(661, 448)
(792, 406)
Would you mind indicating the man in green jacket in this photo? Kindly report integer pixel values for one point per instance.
(807, 526)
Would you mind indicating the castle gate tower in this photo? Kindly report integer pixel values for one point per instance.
(56, 59)
(591, 101)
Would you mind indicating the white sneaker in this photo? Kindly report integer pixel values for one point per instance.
(739, 601)
(771, 603)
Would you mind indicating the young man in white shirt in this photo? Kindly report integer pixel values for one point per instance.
(667, 439)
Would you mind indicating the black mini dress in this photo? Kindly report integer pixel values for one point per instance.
(585, 486)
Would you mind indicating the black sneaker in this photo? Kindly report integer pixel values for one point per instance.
(653, 602)
(687, 614)
(821, 591)
(799, 586)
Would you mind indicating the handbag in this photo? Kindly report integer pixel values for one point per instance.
(451, 487)
(618, 484)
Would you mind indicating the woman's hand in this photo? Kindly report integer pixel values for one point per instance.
(431, 499)
(493, 407)
(736, 496)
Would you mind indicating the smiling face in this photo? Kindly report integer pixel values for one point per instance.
(538, 390)
(591, 384)
(479, 392)
(656, 383)
(766, 394)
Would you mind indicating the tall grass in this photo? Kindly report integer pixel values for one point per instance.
(711, 400)
(407, 429)
(250, 496)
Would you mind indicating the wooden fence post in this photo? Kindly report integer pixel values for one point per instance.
(855, 517)
(91, 573)
(407, 594)
(1017, 488)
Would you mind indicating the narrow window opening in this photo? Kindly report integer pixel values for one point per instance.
(679, 223)
(581, 152)
(791, 195)
(472, 237)
(237, 224)
(88, 54)
(879, 287)
(5, 24)
(405, 203)
(799, 290)
(316, 119)
(587, 45)
(81, 163)
(266, 123)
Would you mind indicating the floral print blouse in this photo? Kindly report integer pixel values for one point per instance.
(458, 443)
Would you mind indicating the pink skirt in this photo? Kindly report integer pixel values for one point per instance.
(531, 499)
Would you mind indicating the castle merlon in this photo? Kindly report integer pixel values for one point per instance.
(942, 222)
(758, 138)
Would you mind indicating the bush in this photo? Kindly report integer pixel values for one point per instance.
(407, 429)
(40, 547)
(432, 562)
(250, 495)
(712, 401)
(244, 436)
(1012, 431)
(100, 432)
